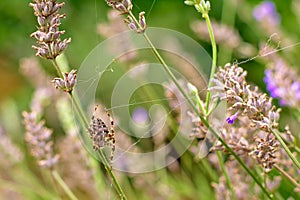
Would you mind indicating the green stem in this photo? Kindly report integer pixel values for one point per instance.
(112, 175)
(190, 101)
(287, 150)
(287, 176)
(166, 68)
(199, 102)
(63, 185)
(265, 184)
(102, 156)
(79, 110)
(169, 72)
(226, 175)
(59, 72)
(86, 124)
(214, 58)
(205, 122)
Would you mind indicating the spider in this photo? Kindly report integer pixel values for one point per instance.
(101, 135)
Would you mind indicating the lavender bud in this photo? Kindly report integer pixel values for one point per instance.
(142, 21)
(120, 7)
(67, 83)
(128, 5)
(193, 90)
(59, 83)
(41, 20)
(133, 27)
(189, 2)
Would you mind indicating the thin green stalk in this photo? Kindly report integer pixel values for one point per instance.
(111, 174)
(226, 175)
(86, 124)
(287, 150)
(197, 99)
(79, 110)
(169, 72)
(265, 184)
(63, 185)
(287, 176)
(102, 156)
(205, 122)
(214, 58)
(59, 72)
(209, 170)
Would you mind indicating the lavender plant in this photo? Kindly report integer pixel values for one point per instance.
(248, 146)
(50, 46)
(256, 106)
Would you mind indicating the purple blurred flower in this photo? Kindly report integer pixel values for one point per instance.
(283, 83)
(295, 88)
(266, 11)
(232, 118)
(270, 84)
(274, 90)
(140, 115)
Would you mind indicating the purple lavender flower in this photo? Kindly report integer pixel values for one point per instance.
(266, 11)
(283, 82)
(140, 115)
(271, 86)
(295, 88)
(247, 101)
(232, 118)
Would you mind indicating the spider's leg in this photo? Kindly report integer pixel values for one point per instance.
(111, 137)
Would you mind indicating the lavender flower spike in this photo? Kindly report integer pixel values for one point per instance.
(257, 107)
(49, 45)
(68, 81)
(124, 7)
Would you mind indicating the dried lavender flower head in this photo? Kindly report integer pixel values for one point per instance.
(49, 44)
(245, 100)
(67, 82)
(124, 6)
